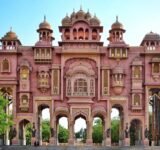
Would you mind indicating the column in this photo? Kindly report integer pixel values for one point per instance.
(71, 133)
(52, 140)
(108, 126)
(89, 132)
(7, 142)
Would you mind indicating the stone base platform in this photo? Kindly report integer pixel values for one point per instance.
(77, 148)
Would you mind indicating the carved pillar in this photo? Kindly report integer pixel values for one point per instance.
(71, 133)
(89, 132)
(52, 140)
(108, 126)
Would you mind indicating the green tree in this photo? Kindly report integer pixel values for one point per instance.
(28, 133)
(5, 119)
(115, 130)
(63, 134)
(45, 130)
(97, 134)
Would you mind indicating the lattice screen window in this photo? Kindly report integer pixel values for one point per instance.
(137, 72)
(56, 82)
(80, 87)
(69, 89)
(105, 82)
(92, 87)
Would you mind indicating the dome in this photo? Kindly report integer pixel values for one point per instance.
(94, 21)
(44, 25)
(80, 14)
(88, 15)
(152, 37)
(10, 36)
(118, 70)
(66, 20)
(117, 24)
(73, 15)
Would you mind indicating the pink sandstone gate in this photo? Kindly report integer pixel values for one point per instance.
(80, 77)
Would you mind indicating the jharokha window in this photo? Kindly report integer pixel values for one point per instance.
(24, 73)
(5, 66)
(80, 87)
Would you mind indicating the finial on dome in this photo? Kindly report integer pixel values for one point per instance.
(10, 29)
(73, 10)
(116, 18)
(88, 10)
(81, 7)
(44, 18)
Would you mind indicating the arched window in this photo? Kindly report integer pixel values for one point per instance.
(136, 100)
(5, 65)
(80, 87)
(86, 34)
(67, 34)
(74, 34)
(80, 34)
(94, 34)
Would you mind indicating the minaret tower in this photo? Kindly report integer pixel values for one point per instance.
(45, 31)
(116, 32)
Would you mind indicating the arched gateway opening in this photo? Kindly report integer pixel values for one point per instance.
(117, 125)
(98, 134)
(62, 130)
(25, 132)
(43, 124)
(80, 130)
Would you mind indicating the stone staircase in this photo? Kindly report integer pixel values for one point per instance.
(76, 148)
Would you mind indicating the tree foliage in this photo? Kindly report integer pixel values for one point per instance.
(46, 130)
(28, 133)
(97, 134)
(115, 130)
(5, 119)
(63, 134)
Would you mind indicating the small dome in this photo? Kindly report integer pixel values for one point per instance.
(73, 15)
(80, 14)
(94, 21)
(117, 24)
(44, 25)
(66, 20)
(152, 37)
(88, 15)
(118, 70)
(10, 35)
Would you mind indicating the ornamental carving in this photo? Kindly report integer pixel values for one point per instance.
(43, 79)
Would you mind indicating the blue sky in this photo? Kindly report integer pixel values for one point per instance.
(138, 16)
